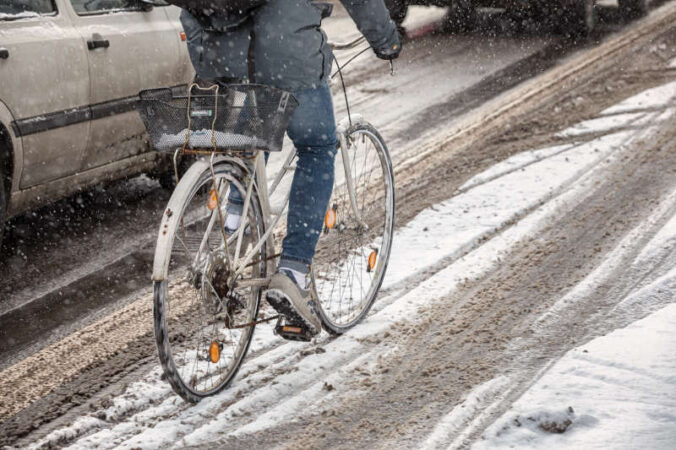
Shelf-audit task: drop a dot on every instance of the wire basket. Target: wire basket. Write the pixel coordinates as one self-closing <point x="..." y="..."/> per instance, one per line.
<point x="233" y="117"/>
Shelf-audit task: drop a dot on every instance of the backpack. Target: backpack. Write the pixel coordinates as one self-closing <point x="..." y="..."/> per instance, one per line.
<point x="208" y="7"/>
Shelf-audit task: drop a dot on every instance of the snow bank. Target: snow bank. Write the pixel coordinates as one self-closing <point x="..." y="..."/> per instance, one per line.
<point x="617" y="391"/>
<point x="475" y="401"/>
<point x="652" y="98"/>
<point x="21" y="15"/>
<point x="460" y="238"/>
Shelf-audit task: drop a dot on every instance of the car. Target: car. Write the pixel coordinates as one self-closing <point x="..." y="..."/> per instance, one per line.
<point x="71" y="72"/>
<point x="576" y="17"/>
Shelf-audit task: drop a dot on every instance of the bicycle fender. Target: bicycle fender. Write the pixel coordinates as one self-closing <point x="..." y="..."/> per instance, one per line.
<point x="344" y="124"/>
<point x="170" y="219"/>
<point x="172" y="213"/>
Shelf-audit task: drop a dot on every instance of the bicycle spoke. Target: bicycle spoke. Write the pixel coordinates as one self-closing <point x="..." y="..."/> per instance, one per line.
<point x="344" y="291"/>
<point x="206" y="351"/>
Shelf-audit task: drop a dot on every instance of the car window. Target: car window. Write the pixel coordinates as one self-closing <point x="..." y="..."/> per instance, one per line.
<point x="84" y="7"/>
<point x="21" y="9"/>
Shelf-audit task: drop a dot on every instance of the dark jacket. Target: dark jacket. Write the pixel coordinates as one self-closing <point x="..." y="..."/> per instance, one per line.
<point x="290" y="49"/>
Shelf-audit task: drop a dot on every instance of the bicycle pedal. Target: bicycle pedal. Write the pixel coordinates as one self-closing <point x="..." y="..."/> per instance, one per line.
<point x="293" y="333"/>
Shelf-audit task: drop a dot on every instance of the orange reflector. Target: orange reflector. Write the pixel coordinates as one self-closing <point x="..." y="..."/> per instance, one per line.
<point x="183" y="38"/>
<point x="213" y="200"/>
<point x="372" y="260"/>
<point x="214" y="352"/>
<point x="330" y="218"/>
<point x="289" y="329"/>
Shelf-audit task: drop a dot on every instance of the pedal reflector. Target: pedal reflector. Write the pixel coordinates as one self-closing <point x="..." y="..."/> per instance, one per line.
<point x="293" y="333"/>
<point x="288" y="329"/>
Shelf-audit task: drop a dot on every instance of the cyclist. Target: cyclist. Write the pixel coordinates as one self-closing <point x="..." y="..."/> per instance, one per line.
<point x="281" y="44"/>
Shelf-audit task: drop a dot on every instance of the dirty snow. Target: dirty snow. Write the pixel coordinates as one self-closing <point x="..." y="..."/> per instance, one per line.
<point x="453" y="422"/>
<point x="617" y="391"/>
<point x="503" y="204"/>
<point x="657" y="97"/>
<point x="21" y="15"/>
<point x="203" y="139"/>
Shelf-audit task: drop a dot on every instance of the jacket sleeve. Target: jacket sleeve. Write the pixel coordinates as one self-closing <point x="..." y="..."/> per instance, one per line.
<point x="374" y="22"/>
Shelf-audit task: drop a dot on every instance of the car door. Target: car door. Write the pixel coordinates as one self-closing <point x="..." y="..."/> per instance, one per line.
<point x="44" y="81"/>
<point x="129" y="49"/>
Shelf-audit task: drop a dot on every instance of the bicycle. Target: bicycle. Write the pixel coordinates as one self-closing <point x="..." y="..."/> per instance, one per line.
<point x="207" y="285"/>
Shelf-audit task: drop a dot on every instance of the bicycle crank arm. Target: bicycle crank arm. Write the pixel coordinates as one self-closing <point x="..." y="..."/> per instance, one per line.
<point x="255" y="322"/>
<point x="253" y="282"/>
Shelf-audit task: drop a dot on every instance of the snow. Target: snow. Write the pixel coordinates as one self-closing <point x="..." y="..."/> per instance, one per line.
<point x="21" y="15"/>
<point x="615" y="259"/>
<point x="203" y="139"/>
<point x="606" y="123"/>
<point x="656" y="97"/>
<point x="453" y="421"/>
<point x="617" y="391"/>
<point x="622" y="384"/>
<point x="672" y="63"/>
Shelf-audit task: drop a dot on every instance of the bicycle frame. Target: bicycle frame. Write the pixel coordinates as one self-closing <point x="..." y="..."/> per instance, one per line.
<point x="258" y="179"/>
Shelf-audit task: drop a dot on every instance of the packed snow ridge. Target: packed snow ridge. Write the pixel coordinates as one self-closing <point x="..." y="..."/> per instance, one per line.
<point x="615" y="391"/>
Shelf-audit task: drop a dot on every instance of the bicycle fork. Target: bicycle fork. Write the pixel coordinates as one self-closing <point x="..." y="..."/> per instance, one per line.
<point x="347" y="165"/>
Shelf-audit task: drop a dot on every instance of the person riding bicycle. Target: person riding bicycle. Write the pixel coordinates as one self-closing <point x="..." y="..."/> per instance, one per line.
<point x="281" y="44"/>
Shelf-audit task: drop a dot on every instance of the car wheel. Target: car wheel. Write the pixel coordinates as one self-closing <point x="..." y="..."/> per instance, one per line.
<point x="461" y="16"/>
<point x="579" y="18"/>
<point x="398" y="10"/>
<point x="3" y="206"/>
<point x="631" y="9"/>
<point x="167" y="180"/>
<point x="165" y="173"/>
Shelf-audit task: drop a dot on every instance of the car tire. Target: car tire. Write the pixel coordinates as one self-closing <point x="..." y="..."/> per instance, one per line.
<point x="3" y="206"/>
<point x="5" y="172"/>
<point x="579" y="18"/>
<point x="165" y="173"/>
<point x="167" y="180"/>
<point x="398" y="10"/>
<point x="461" y="17"/>
<point x="631" y="9"/>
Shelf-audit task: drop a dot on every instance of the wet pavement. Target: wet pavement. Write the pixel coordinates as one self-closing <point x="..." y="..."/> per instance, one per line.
<point x="88" y="256"/>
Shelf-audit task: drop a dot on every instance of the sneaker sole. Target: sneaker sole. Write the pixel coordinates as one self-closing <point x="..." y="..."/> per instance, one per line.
<point x="282" y="304"/>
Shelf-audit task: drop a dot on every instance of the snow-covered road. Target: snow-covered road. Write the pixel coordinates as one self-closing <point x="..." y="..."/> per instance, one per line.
<point x="534" y="242"/>
<point x="600" y="393"/>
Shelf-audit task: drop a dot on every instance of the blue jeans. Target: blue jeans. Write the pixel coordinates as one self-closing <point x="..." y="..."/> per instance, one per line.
<point x="313" y="132"/>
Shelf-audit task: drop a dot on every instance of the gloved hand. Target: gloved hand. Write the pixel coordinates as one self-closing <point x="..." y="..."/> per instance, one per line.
<point x="390" y="50"/>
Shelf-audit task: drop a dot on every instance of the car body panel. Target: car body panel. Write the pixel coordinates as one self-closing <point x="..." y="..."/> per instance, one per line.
<point x="57" y="114"/>
<point x="30" y="68"/>
<point x="36" y="196"/>
<point x="16" y="146"/>
<point x="143" y="53"/>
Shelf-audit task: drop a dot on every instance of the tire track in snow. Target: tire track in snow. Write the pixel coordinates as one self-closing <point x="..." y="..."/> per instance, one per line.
<point x="218" y="408"/>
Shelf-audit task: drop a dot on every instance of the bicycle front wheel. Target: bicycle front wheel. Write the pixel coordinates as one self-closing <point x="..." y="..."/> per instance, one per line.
<point x="203" y="323"/>
<point x="354" y="249"/>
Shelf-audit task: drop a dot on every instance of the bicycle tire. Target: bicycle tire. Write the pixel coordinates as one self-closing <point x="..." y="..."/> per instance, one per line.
<point x="173" y="329"/>
<point x="335" y="259"/>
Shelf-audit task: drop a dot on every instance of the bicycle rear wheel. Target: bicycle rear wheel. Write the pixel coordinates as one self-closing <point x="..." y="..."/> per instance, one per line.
<point x="354" y="250"/>
<point x="197" y="316"/>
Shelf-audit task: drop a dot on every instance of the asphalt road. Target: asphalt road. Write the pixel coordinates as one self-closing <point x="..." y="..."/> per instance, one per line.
<point x="78" y="271"/>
